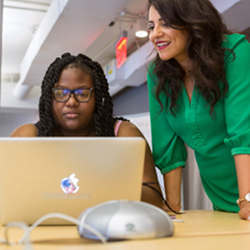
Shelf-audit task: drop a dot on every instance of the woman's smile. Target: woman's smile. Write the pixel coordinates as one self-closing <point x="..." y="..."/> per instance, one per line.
<point x="162" y="45"/>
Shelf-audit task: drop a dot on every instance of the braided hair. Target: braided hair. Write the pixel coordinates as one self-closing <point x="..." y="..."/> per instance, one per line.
<point x="103" y="114"/>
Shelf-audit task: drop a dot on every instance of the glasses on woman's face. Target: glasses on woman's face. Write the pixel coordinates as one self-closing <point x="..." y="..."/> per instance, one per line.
<point x="64" y="94"/>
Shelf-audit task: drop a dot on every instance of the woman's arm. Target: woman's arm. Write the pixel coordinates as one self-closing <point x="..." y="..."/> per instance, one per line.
<point x="237" y="123"/>
<point x="242" y="163"/>
<point x="172" y="182"/>
<point x="128" y="129"/>
<point x="26" y="130"/>
<point x="169" y="151"/>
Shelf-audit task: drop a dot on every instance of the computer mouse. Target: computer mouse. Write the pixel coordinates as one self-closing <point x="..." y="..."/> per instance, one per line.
<point x="122" y="220"/>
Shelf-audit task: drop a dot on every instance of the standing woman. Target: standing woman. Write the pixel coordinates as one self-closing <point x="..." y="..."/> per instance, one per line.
<point x="199" y="94"/>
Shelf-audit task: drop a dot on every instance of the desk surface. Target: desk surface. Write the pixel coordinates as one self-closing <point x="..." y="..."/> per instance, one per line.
<point x="206" y="223"/>
<point x="201" y="230"/>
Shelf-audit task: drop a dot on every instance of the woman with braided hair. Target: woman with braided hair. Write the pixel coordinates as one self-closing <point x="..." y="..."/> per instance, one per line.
<point x="75" y="102"/>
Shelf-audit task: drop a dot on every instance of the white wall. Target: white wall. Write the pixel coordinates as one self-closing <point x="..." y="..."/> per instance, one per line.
<point x="9" y="120"/>
<point x="1" y="23"/>
<point x="142" y="121"/>
<point x="9" y="100"/>
<point x="12" y="118"/>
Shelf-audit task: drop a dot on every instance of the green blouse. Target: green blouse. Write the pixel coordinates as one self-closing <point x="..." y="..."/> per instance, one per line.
<point x="214" y="138"/>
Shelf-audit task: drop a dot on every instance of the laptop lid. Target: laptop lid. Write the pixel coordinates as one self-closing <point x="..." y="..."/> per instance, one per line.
<point x="66" y="175"/>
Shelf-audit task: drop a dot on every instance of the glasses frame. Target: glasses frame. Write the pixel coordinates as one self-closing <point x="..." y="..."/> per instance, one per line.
<point x="72" y="91"/>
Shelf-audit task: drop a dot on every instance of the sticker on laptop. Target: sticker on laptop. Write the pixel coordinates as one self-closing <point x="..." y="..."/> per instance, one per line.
<point x="69" y="184"/>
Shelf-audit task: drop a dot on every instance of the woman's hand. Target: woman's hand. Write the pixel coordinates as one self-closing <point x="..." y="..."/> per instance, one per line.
<point x="242" y="162"/>
<point x="244" y="212"/>
<point x="152" y="194"/>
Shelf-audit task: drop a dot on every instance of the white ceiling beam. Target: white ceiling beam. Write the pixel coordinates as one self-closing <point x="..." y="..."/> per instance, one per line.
<point x="73" y="28"/>
<point x="222" y="6"/>
<point x="28" y="2"/>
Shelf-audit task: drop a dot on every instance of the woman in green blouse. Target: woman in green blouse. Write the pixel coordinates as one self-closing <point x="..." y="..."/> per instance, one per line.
<point x="199" y="94"/>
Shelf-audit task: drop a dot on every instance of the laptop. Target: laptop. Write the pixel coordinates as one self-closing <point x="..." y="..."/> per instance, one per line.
<point x="66" y="175"/>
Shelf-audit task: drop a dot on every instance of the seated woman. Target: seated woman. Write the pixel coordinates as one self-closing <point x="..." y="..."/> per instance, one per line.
<point x="75" y="102"/>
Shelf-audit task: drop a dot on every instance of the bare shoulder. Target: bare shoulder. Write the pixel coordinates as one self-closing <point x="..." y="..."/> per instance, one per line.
<point x="129" y="129"/>
<point x="26" y="130"/>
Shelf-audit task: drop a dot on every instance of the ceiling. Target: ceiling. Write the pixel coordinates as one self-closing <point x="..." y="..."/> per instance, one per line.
<point x="35" y="32"/>
<point x="21" y="19"/>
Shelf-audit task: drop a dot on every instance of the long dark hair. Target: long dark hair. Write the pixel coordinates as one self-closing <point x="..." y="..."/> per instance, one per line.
<point x="103" y="115"/>
<point x="204" y="47"/>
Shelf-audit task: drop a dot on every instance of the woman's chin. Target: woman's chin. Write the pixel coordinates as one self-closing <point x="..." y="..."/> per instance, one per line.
<point x="71" y="127"/>
<point x="164" y="56"/>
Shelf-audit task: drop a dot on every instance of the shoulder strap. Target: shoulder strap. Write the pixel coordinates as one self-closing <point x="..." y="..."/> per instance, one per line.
<point x="117" y="126"/>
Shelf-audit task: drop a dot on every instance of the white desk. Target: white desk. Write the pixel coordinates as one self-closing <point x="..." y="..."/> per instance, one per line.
<point x="201" y="230"/>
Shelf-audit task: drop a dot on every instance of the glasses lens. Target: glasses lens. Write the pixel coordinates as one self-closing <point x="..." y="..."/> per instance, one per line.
<point x="82" y="95"/>
<point x="61" y="95"/>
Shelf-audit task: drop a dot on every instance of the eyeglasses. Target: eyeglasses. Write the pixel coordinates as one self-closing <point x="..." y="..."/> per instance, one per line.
<point x="63" y="94"/>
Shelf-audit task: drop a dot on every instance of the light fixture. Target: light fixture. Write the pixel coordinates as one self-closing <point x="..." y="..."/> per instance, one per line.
<point x="140" y="28"/>
<point x="141" y="33"/>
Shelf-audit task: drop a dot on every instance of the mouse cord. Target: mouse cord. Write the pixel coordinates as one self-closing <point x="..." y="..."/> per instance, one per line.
<point x="27" y="230"/>
<point x="149" y="184"/>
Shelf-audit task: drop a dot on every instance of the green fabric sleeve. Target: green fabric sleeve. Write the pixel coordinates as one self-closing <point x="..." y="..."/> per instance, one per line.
<point x="169" y="151"/>
<point x="237" y="100"/>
